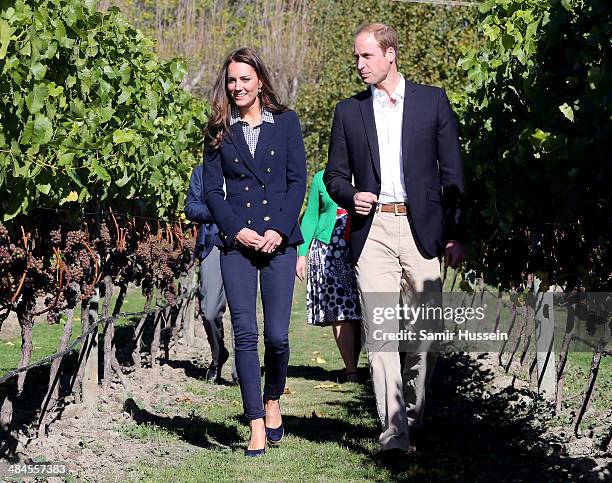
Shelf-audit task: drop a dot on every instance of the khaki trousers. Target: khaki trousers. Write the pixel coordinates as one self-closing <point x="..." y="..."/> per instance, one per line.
<point x="390" y="264"/>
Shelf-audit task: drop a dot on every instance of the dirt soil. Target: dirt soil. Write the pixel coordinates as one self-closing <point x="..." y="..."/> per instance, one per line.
<point x="571" y="445"/>
<point x="89" y="440"/>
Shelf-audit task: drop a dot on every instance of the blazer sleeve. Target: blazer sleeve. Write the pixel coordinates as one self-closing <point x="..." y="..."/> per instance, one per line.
<point x="451" y="170"/>
<point x="195" y="207"/>
<point x="311" y="216"/>
<point x="228" y="223"/>
<point x="285" y="219"/>
<point x="337" y="177"/>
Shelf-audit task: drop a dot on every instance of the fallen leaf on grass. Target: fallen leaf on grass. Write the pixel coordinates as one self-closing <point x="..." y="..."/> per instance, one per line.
<point x="9" y="343"/>
<point x="288" y="391"/>
<point x="319" y="360"/>
<point x="184" y="399"/>
<point x="327" y="386"/>
<point x="316" y="414"/>
<point x="316" y="353"/>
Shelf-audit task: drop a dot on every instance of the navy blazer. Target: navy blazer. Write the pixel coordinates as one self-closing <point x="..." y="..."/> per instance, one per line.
<point x="265" y="191"/>
<point x="433" y="170"/>
<point x="197" y="211"/>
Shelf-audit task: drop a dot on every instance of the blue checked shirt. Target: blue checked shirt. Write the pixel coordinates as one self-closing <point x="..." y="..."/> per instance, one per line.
<point x="251" y="134"/>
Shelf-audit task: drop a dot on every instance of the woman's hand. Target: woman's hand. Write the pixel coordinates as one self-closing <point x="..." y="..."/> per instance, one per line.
<point x="249" y="238"/>
<point x="300" y="267"/>
<point x="270" y="241"/>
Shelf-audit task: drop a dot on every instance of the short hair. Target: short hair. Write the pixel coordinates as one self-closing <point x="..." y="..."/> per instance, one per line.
<point x="385" y="36"/>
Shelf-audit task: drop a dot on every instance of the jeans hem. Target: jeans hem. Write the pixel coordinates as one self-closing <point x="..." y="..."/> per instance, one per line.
<point x="250" y="417"/>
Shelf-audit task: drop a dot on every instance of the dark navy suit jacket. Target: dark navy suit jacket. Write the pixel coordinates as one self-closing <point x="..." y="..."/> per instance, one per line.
<point x="197" y="211"/>
<point x="433" y="170"/>
<point x="265" y="191"/>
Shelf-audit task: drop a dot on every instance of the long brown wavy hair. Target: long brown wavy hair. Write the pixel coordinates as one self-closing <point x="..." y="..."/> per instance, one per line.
<point x="221" y="102"/>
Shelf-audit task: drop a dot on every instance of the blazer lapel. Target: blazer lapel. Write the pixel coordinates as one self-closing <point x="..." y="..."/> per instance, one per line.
<point x="237" y="139"/>
<point x="367" y="114"/>
<point x="266" y="133"/>
<point x="407" y="119"/>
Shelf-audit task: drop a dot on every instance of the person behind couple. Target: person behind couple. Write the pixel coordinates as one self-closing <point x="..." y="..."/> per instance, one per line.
<point x="399" y="142"/>
<point x="211" y="293"/>
<point x="254" y="185"/>
<point x="331" y="291"/>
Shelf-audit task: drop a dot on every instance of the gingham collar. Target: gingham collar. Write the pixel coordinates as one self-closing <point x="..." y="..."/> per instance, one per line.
<point x="266" y="116"/>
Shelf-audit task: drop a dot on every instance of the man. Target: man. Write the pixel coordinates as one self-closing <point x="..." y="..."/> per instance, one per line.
<point x="394" y="159"/>
<point x="212" y="295"/>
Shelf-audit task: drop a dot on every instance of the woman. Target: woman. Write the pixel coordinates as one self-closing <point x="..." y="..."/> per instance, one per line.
<point x="254" y="185"/>
<point x="332" y="297"/>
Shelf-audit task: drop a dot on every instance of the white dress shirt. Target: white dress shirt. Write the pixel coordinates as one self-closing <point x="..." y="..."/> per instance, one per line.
<point x="388" y="120"/>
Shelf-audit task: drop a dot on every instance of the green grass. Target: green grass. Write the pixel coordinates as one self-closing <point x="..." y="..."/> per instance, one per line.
<point x="331" y="430"/>
<point x="147" y="432"/>
<point x="579" y="357"/>
<point x="46" y="337"/>
<point x="45" y="340"/>
<point x="577" y="375"/>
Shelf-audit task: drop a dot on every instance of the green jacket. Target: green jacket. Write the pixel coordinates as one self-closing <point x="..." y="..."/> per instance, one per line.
<point x="320" y="216"/>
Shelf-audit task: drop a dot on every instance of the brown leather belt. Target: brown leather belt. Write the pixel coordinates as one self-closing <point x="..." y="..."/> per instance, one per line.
<point x="397" y="208"/>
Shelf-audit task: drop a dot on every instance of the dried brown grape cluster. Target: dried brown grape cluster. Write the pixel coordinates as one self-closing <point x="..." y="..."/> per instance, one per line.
<point x="65" y="255"/>
<point x="13" y="263"/>
<point x="161" y="259"/>
<point x="24" y="274"/>
<point x="4" y="234"/>
<point x="55" y="237"/>
<point x="79" y="267"/>
<point x="6" y="258"/>
<point x="105" y="237"/>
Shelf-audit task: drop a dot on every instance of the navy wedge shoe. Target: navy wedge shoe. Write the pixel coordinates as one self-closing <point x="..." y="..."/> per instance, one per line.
<point x="254" y="453"/>
<point x="275" y="435"/>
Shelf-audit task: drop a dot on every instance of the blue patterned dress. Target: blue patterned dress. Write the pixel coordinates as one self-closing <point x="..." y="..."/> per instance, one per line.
<point x="332" y="287"/>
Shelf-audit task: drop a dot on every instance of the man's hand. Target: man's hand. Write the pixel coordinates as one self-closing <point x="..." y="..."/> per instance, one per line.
<point x="270" y="241"/>
<point x="249" y="238"/>
<point x="364" y="200"/>
<point x="454" y="254"/>
<point x="300" y="268"/>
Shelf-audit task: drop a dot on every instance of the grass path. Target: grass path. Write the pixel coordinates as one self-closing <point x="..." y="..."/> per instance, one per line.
<point x="331" y="427"/>
<point x="478" y="426"/>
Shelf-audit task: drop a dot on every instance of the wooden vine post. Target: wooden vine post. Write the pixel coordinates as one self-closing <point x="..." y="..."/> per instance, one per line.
<point x="24" y="308"/>
<point x="137" y="338"/>
<point x="599" y="352"/>
<point x="90" y="376"/>
<point x="109" y="332"/>
<point x="159" y="313"/>
<point x="52" y="396"/>
<point x="544" y="334"/>
<point x="111" y="365"/>
<point x="567" y="339"/>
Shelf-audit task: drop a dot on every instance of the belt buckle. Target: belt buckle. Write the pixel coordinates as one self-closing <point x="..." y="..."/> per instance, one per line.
<point x="397" y="213"/>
